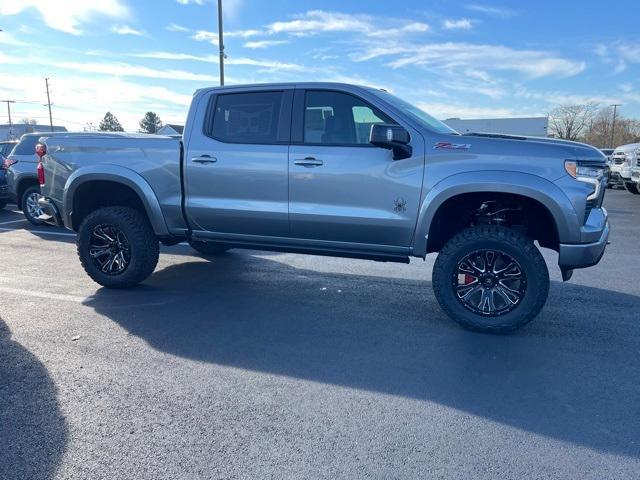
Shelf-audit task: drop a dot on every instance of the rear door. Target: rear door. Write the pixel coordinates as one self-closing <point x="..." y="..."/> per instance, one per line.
<point x="236" y="166"/>
<point x="342" y="188"/>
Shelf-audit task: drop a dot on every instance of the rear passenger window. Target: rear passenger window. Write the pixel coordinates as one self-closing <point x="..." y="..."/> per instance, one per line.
<point x="27" y="145"/>
<point x="247" y="117"/>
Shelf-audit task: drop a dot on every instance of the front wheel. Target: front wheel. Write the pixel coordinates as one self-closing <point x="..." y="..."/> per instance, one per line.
<point x="117" y="247"/>
<point x="30" y="206"/>
<point x="491" y="279"/>
<point x="632" y="187"/>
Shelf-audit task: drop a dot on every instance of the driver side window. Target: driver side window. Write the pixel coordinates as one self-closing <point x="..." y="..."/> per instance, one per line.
<point x="334" y="118"/>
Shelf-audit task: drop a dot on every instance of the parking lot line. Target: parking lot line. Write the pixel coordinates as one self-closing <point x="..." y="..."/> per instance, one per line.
<point x="13" y="221"/>
<point x="50" y="296"/>
<point x="42" y="232"/>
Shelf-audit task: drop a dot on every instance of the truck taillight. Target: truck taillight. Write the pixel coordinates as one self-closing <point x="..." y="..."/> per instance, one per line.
<point x="41" y="174"/>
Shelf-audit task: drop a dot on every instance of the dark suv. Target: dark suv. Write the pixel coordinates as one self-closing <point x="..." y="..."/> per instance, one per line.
<point x="5" y="149"/>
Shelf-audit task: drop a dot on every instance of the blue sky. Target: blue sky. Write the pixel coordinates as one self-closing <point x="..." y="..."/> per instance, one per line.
<point x="452" y="58"/>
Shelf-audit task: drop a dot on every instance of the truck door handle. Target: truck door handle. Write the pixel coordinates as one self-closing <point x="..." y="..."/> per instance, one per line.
<point x="204" y="159"/>
<point x="308" y="162"/>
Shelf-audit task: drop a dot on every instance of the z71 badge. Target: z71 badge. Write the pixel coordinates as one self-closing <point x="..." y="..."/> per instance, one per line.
<point x="451" y="146"/>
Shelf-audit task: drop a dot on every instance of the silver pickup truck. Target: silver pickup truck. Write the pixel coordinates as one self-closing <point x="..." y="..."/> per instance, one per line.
<point x="341" y="170"/>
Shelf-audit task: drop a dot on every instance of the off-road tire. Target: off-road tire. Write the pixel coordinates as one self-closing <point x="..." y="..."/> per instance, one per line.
<point x="500" y="239"/>
<point x="208" y="249"/>
<point x="23" y="204"/>
<point x="632" y="187"/>
<point x="143" y="244"/>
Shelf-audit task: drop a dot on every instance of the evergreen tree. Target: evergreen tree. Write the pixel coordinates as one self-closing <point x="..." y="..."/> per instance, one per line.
<point x="151" y="123"/>
<point x="110" y="123"/>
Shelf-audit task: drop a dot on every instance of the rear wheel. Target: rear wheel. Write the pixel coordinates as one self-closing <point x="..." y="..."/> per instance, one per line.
<point x="208" y="249"/>
<point x="632" y="187"/>
<point x="30" y="206"/>
<point x="491" y="279"/>
<point x="117" y="247"/>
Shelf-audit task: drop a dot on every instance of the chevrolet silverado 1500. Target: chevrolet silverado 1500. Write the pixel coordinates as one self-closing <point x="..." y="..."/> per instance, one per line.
<point x="341" y="170"/>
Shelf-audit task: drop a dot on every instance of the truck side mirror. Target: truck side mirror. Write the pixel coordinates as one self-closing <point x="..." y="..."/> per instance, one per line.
<point x="391" y="137"/>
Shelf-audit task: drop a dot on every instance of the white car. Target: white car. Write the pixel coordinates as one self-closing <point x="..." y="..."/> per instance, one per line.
<point x="625" y="158"/>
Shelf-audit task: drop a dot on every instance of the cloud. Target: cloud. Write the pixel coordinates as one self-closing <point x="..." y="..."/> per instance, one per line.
<point x="67" y="16"/>
<point x="212" y="37"/>
<point x="268" y="64"/>
<point x="462" y="24"/>
<point x="492" y="10"/>
<point x="174" y="27"/>
<point x="319" y="21"/>
<point x="127" y="30"/>
<point x="76" y="103"/>
<point x="264" y="43"/>
<point x="127" y="70"/>
<point x="187" y="2"/>
<point x="8" y="39"/>
<point x="619" y="55"/>
<point x="453" y="56"/>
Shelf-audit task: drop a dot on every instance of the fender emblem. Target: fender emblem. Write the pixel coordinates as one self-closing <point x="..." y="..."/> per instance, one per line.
<point x="451" y="146"/>
<point x="399" y="205"/>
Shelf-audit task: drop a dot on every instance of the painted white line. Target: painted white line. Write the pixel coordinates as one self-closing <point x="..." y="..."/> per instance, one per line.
<point x="42" y="232"/>
<point x="14" y="221"/>
<point x="47" y="295"/>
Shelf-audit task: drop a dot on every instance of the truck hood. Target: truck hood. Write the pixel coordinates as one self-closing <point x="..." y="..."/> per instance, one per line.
<point x="568" y="150"/>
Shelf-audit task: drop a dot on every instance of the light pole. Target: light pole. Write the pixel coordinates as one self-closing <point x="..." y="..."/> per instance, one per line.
<point x="221" y="42"/>
<point x="613" y="123"/>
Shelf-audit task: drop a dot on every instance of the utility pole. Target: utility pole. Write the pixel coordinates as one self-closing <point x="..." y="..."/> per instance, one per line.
<point x="8" y="102"/>
<point x="221" y="42"/>
<point x="613" y="123"/>
<point x="46" y="81"/>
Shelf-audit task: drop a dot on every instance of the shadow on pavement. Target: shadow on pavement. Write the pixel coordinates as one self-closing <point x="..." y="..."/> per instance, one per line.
<point x="571" y="375"/>
<point x="33" y="431"/>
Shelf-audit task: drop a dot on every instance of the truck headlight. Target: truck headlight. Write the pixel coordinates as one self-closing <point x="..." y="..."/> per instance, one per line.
<point x="587" y="172"/>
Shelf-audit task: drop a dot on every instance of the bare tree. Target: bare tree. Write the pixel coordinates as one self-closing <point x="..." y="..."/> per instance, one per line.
<point x="571" y="121"/>
<point x="598" y="133"/>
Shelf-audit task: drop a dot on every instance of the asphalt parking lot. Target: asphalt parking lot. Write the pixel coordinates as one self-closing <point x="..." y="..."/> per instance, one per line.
<point x="260" y="365"/>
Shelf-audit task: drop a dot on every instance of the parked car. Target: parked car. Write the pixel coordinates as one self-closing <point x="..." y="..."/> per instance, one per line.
<point x="22" y="176"/>
<point x="608" y="152"/>
<point x="4" y="188"/>
<point x="625" y="158"/>
<point x="335" y="169"/>
<point x="6" y="147"/>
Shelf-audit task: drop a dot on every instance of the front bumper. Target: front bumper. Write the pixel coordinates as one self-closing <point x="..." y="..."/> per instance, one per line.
<point x="51" y="214"/>
<point x="583" y="255"/>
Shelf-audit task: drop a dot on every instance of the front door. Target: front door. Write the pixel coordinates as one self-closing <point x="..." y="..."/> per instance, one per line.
<point x="343" y="189"/>
<point x="236" y="166"/>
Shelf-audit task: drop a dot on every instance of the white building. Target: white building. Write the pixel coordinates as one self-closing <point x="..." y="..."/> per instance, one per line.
<point x="528" y="127"/>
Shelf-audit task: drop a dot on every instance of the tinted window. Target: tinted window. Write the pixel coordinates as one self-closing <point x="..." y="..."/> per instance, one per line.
<point x="247" y="117"/>
<point x="27" y="145"/>
<point x="336" y="118"/>
<point x="5" y="148"/>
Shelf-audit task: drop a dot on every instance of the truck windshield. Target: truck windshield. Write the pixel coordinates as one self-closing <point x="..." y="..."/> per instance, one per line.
<point x="414" y="112"/>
